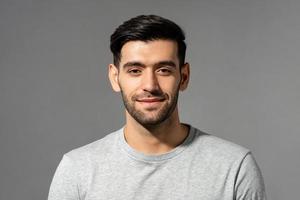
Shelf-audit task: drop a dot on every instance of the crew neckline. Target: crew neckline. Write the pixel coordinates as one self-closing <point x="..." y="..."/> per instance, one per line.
<point x="133" y="153"/>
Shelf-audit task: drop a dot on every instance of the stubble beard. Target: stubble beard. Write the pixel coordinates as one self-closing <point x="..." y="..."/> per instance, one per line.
<point x="151" y="119"/>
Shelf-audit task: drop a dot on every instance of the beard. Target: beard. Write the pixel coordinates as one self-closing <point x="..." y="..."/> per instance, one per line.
<point x="158" y="115"/>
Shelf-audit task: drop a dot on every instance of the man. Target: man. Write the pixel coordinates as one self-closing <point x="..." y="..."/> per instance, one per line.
<point x="154" y="156"/>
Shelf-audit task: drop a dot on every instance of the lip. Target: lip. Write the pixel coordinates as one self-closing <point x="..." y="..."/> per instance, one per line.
<point x="150" y="100"/>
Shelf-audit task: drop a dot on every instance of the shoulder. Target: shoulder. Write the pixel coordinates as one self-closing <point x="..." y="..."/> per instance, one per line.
<point x="235" y="161"/>
<point x="97" y="149"/>
<point x="218" y="148"/>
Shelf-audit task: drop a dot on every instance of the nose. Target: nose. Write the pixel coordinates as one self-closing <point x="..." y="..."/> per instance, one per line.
<point x="150" y="82"/>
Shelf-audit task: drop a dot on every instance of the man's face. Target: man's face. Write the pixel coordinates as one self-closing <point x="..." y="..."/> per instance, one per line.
<point x="149" y="78"/>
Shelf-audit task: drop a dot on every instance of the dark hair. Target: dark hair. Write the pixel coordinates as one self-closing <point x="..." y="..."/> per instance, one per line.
<point x="147" y="28"/>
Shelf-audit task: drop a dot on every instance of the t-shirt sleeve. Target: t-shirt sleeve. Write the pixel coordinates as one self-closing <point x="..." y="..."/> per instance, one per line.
<point x="64" y="184"/>
<point x="249" y="183"/>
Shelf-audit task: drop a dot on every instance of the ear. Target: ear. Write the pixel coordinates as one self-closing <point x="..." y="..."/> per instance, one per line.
<point x="113" y="73"/>
<point x="185" y="76"/>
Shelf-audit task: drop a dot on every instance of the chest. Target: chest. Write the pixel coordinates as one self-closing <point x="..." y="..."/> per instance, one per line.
<point x="174" y="181"/>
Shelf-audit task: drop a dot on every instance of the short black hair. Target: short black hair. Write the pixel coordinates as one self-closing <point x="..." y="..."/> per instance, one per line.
<point x="147" y="28"/>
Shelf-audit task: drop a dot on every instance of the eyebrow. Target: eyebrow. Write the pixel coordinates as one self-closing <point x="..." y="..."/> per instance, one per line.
<point x="139" y="64"/>
<point x="165" y="63"/>
<point x="134" y="64"/>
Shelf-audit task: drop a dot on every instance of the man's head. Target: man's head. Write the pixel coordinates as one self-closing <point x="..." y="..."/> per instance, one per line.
<point x="147" y="28"/>
<point x="149" y="68"/>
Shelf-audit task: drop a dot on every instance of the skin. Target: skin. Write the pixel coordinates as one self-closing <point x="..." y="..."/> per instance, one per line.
<point x="149" y="78"/>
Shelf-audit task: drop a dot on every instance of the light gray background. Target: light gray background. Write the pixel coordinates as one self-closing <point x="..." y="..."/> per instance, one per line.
<point x="55" y="95"/>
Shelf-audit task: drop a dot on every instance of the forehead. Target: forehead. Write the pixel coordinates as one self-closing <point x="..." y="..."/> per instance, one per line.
<point x="149" y="52"/>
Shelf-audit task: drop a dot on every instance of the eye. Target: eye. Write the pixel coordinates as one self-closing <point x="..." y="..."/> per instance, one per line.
<point x="164" y="71"/>
<point x="134" y="71"/>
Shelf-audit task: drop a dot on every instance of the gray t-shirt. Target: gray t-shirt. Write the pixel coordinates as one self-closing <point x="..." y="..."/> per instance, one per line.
<point x="203" y="167"/>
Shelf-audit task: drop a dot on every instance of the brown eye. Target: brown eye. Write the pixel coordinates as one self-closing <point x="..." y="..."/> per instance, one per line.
<point x="164" y="71"/>
<point x="134" y="71"/>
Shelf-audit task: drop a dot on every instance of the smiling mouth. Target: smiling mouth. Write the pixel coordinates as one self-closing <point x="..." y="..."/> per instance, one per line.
<point x="150" y="100"/>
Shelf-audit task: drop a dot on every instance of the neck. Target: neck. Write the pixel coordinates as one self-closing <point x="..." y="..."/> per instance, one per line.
<point x="156" y="139"/>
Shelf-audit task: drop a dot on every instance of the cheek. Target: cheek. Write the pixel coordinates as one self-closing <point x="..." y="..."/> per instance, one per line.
<point x="170" y="85"/>
<point x="128" y="86"/>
